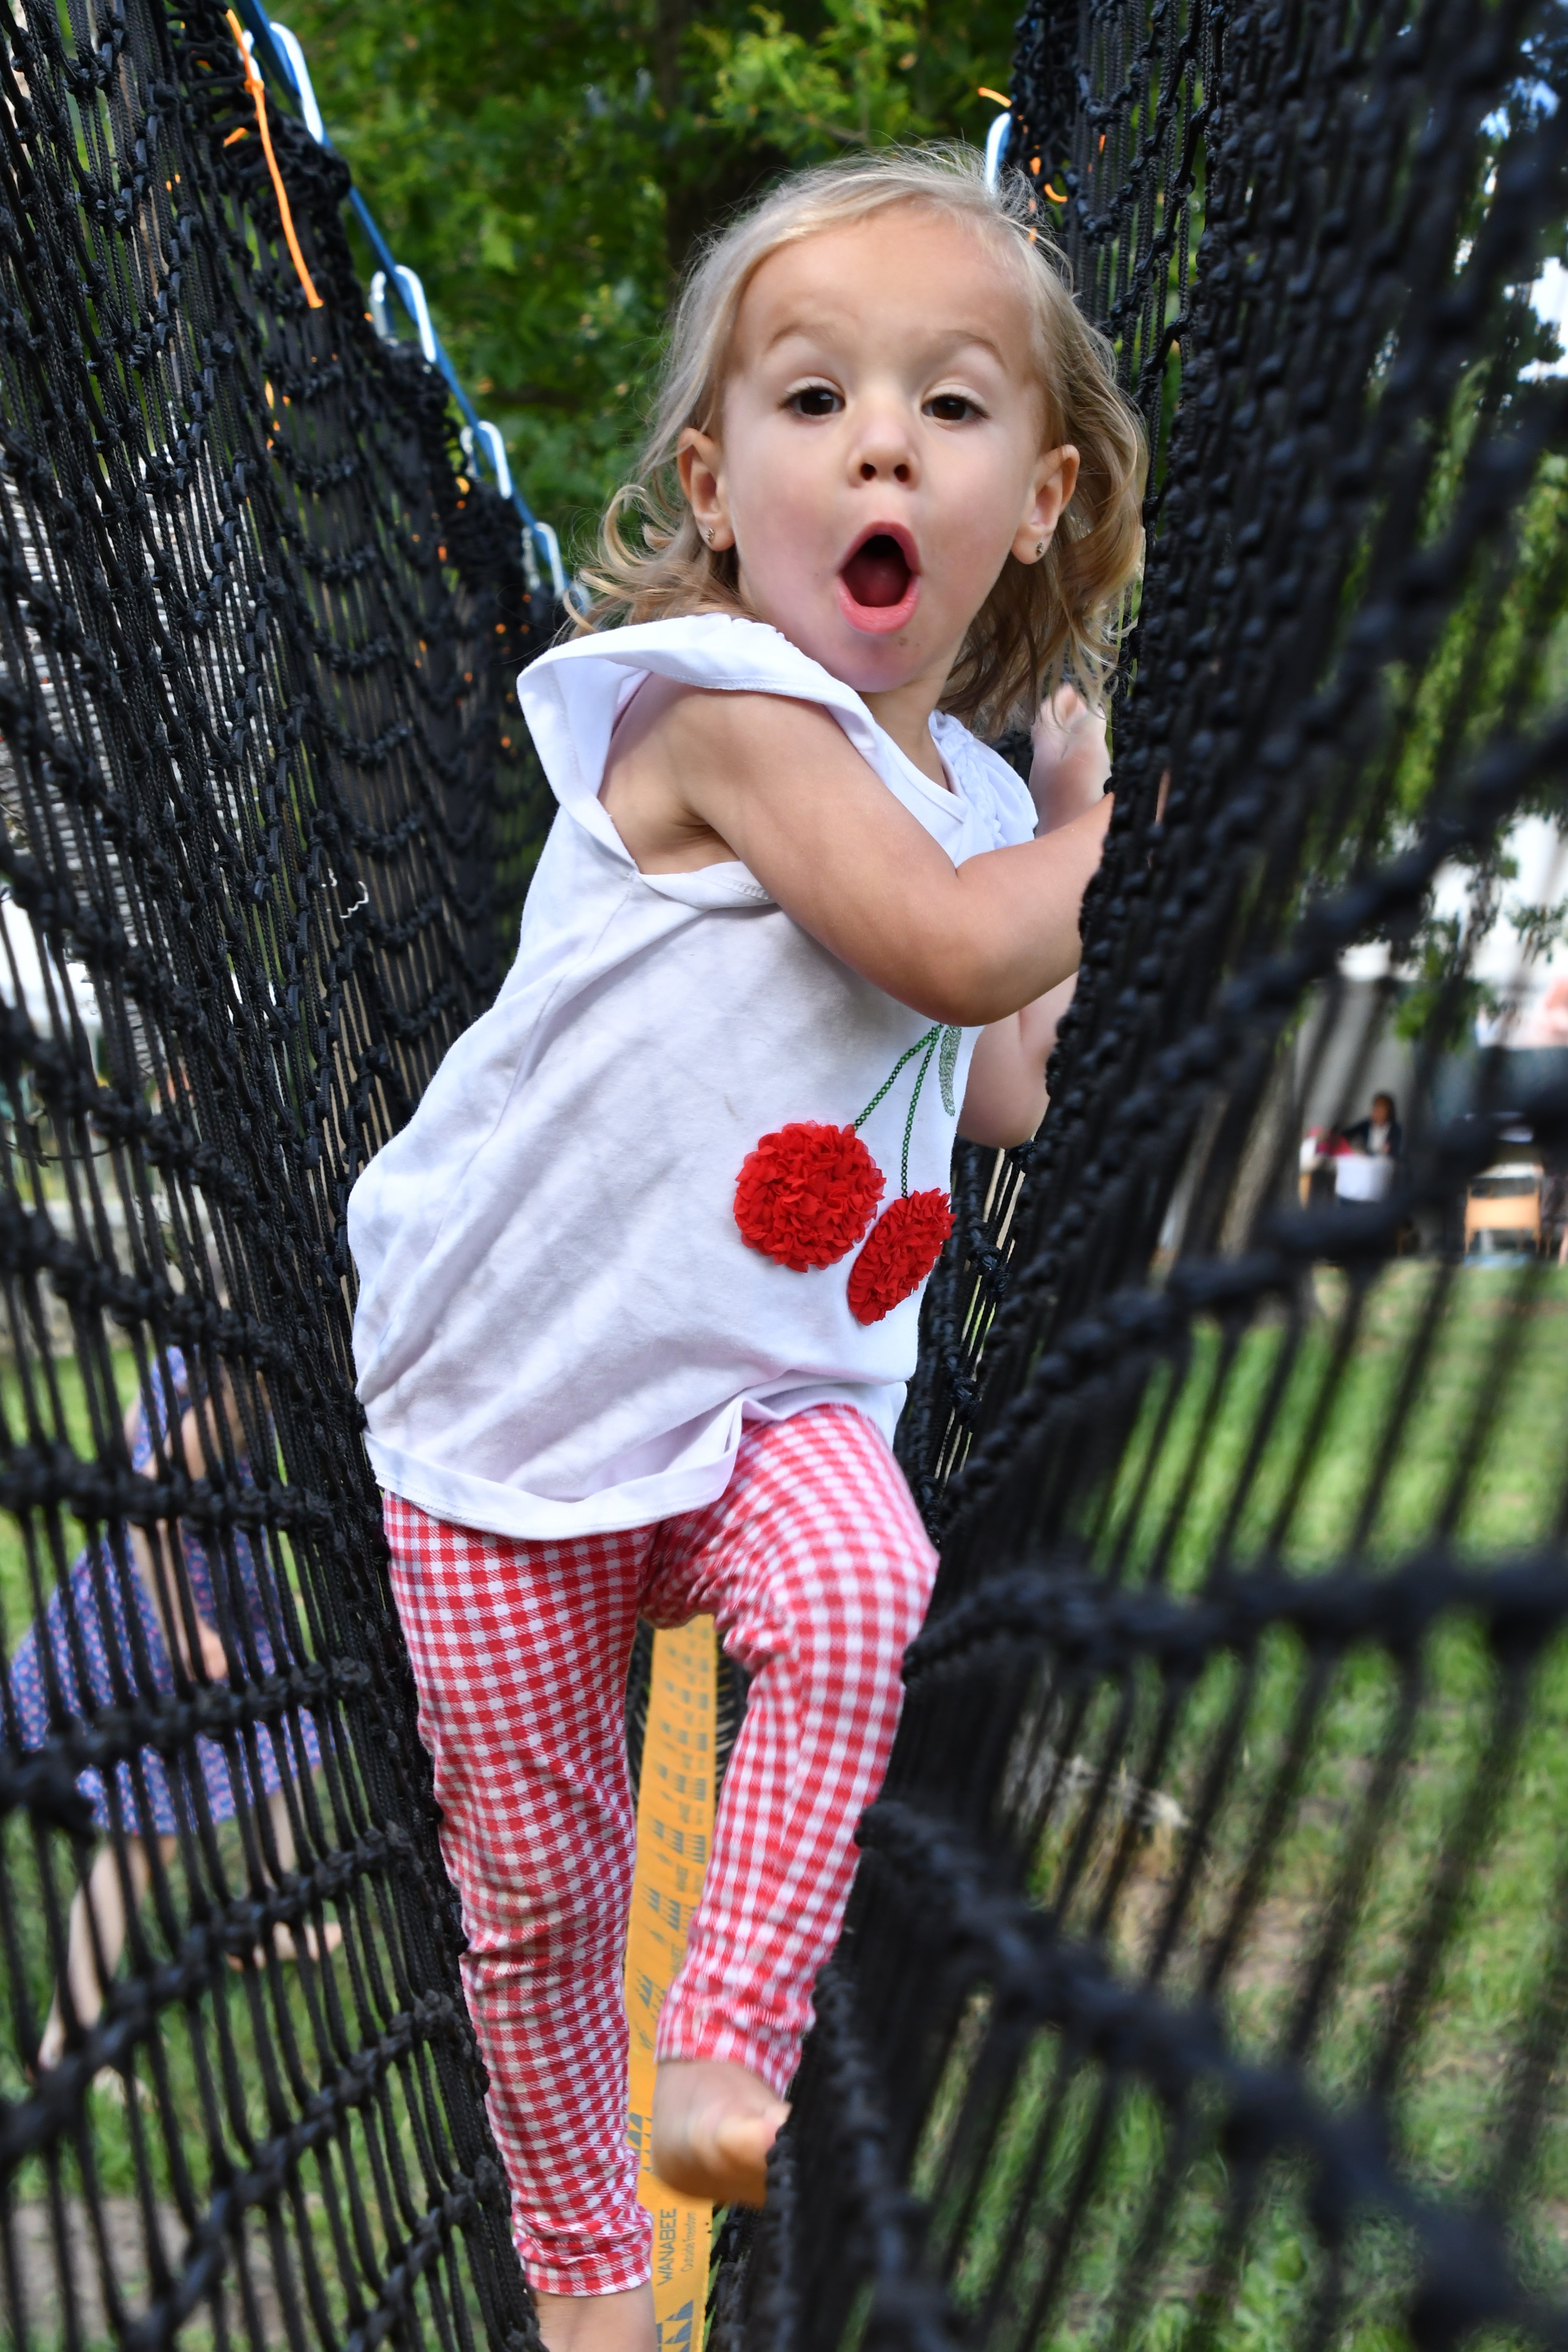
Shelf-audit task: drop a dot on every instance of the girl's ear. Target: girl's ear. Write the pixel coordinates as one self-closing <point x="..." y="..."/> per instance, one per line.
<point x="1055" y="479"/>
<point x="698" y="462"/>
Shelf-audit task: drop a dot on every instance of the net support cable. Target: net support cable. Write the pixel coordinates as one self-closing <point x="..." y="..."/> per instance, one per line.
<point x="283" y="58"/>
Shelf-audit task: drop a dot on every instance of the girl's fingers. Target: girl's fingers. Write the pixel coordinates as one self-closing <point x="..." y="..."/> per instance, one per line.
<point x="1071" y="758"/>
<point x="1064" y="711"/>
<point x="1068" y="729"/>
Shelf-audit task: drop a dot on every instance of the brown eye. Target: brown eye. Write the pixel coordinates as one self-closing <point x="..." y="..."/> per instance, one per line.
<point x="816" y="400"/>
<point x="951" y="408"/>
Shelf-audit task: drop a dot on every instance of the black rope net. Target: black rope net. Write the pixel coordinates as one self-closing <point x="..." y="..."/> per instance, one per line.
<point x="1207" y="1976"/>
<point x="265" y="814"/>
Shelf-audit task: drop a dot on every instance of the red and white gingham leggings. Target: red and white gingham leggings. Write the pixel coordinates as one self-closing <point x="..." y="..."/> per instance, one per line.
<point x="817" y="1567"/>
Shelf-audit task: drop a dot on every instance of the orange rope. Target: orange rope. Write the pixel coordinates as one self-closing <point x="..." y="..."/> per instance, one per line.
<point x="254" y="83"/>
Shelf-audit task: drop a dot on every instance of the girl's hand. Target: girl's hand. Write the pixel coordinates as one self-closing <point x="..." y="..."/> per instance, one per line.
<point x="1071" y="765"/>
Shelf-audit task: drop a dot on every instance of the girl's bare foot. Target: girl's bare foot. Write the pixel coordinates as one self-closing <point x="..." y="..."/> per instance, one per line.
<point x="596" y="2322"/>
<point x="713" y="2123"/>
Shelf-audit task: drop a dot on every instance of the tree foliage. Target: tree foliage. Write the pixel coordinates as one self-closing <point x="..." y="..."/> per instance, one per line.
<point x="548" y="169"/>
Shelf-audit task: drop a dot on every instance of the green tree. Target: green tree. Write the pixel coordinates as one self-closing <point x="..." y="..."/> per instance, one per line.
<point x="546" y="170"/>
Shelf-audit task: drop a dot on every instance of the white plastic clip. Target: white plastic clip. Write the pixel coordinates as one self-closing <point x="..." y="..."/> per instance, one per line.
<point x="413" y="295"/>
<point x="294" y="58"/>
<point x="490" y="434"/>
<point x="996" y="139"/>
<point x="552" y="547"/>
<point x="495" y="449"/>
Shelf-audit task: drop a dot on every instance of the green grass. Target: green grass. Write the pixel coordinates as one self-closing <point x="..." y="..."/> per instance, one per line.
<point x="1487" y="1363"/>
<point x="1253" y="1453"/>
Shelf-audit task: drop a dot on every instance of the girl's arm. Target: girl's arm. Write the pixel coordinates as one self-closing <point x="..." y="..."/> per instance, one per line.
<point x="1004" y="1100"/>
<point x="776" y="783"/>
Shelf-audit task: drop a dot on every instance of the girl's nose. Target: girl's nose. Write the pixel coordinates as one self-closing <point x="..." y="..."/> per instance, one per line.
<point x="884" y="454"/>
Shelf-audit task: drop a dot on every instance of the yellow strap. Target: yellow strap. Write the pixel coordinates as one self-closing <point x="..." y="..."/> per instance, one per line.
<point x="674" y="1829"/>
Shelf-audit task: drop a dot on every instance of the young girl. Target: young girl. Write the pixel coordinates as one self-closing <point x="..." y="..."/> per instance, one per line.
<point x="641" y="1279"/>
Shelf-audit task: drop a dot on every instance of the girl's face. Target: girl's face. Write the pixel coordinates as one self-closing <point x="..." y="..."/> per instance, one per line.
<point x="878" y="455"/>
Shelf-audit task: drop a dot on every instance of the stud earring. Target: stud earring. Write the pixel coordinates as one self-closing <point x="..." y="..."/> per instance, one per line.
<point x="709" y="534"/>
<point x="1039" y="548"/>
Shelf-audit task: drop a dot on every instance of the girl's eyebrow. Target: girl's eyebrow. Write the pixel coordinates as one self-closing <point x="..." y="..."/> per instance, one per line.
<point x="943" y="345"/>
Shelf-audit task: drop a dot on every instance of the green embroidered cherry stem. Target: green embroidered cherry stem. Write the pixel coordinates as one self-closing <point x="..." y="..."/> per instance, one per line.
<point x="925" y="1044"/>
<point x="914" y="1100"/>
<point x="951" y="1039"/>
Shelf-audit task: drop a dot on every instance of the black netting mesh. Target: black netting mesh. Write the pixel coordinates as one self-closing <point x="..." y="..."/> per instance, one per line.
<point x="265" y="814"/>
<point x="1207" y="1973"/>
<point x="1207" y="1977"/>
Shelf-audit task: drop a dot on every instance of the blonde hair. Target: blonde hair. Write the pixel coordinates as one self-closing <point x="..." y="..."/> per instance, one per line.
<point x="1040" y="620"/>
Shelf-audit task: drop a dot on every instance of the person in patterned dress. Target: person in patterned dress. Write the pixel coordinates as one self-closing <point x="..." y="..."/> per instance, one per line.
<point x="116" y="1624"/>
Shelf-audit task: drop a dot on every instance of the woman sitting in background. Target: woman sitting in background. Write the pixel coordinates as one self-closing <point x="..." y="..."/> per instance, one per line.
<point x="124" y="1632"/>
<point x="1381" y="1136"/>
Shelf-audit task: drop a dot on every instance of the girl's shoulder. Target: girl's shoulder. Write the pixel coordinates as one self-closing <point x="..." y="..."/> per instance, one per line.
<point x="722" y="650"/>
<point x="992" y="786"/>
<point x="571" y="695"/>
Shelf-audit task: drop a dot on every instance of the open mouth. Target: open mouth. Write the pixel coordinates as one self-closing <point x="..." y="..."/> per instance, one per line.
<point x="878" y="572"/>
<point x="878" y="581"/>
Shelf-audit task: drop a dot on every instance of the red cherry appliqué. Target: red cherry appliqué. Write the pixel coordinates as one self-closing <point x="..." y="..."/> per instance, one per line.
<point x="806" y="1195"/>
<point x="905" y="1244"/>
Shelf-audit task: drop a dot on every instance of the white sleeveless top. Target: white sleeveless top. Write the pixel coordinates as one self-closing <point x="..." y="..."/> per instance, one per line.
<point x="560" y="1328"/>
